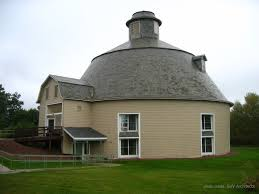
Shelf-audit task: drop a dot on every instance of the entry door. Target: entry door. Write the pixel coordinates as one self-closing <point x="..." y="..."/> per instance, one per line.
<point x="51" y="123"/>
<point x="82" y="148"/>
<point x="86" y="148"/>
<point x="79" y="148"/>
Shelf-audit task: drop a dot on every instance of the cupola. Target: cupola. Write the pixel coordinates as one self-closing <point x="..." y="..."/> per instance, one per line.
<point x="143" y="24"/>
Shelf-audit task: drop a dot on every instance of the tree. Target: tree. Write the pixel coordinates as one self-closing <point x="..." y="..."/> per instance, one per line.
<point x="245" y="121"/>
<point x="12" y="115"/>
<point x="25" y="119"/>
<point x="14" y="105"/>
<point x="3" y="108"/>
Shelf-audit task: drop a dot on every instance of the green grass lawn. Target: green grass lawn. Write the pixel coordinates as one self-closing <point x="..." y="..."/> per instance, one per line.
<point x="143" y="176"/>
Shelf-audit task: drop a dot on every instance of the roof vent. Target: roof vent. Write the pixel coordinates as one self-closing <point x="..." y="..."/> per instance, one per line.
<point x="199" y="61"/>
<point x="143" y="24"/>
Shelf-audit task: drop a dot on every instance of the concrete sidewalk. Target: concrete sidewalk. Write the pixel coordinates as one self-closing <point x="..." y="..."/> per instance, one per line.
<point x="4" y="169"/>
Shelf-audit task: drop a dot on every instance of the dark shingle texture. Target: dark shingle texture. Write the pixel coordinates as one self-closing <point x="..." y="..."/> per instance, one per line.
<point x="150" y="73"/>
<point x="207" y="133"/>
<point x="84" y="132"/>
<point x="129" y="134"/>
<point x="76" y="92"/>
<point x="76" y="89"/>
<point x="143" y="43"/>
<point x="67" y="80"/>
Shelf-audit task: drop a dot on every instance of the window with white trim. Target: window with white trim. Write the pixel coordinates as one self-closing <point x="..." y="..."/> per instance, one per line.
<point x="207" y="134"/>
<point x="207" y="122"/>
<point x="128" y="122"/>
<point x="207" y="144"/>
<point x="129" y="147"/>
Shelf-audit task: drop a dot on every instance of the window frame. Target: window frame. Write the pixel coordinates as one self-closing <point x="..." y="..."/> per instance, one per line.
<point x="128" y="148"/>
<point x="213" y="137"/>
<point x="47" y="93"/>
<point x="121" y="138"/>
<point x="54" y="122"/>
<point x="56" y="91"/>
<point x="135" y="28"/>
<point x="207" y="153"/>
<point x="128" y="130"/>
<point x="211" y="121"/>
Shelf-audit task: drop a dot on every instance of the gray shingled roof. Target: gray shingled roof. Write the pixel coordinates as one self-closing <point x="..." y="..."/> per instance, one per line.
<point x="147" y="68"/>
<point x="76" y="92"/>
<point x="68" y="80"/>
<point x="142" y="68"/>
<point x="71" y="88"/>
<point x="207" y="133"/>
<point x="150" y="73"/>
<point x="143" y="43"/>
<point x="84" y="133"/>
<point x="76" y="89"/>
<point x="128" y="134"/>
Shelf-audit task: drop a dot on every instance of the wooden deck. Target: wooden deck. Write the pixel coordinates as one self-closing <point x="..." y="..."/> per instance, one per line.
<point x="39" y="134"/>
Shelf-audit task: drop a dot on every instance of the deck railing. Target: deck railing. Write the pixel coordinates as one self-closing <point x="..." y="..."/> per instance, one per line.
<point x="38" y="131"/>
<point x="7" y="133"/>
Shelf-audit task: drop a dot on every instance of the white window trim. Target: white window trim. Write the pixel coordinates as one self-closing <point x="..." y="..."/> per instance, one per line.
<point x="57" y="113"/>
<point x="204" y="123"/>
<point x="213" y="137"/>
<point x="139" y="138"/>
<point x="129" y="137"/>
<point x="128" y="156"/>
<point x="128" y="122"/>
<point x="208" y="153"/>
<point x="46" y="112"/>
<point x="51" y="119"/>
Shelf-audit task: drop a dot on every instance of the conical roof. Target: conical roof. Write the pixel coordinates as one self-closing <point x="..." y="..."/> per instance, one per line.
<point x="148" y="68"/>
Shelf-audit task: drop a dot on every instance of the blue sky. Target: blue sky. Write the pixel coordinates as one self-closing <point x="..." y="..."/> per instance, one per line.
<point x="61" y="37"/>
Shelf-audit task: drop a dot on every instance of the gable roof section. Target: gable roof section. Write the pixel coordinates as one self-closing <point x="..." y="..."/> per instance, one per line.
<point x="84" y="133"/>
<point x="67" y="80"/>
<point x="70" y="88"/>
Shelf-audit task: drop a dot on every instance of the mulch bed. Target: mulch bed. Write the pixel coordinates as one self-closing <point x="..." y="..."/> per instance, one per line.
<point x="12" y="147"/>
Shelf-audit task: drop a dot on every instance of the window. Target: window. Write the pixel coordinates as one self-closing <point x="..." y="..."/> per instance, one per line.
<point x="56" y="91"/>
<point x="128" y="122"/>
<point x="135" y="27"/>
<point x="129" y="147"/>
<point x="206" y="122"/>
<point x="51" y="123"/>
<point x="47" y="93"/>
<point x="156" y="28"/>
<point x="207" y="145"/>
<point x="207" y="134"/>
